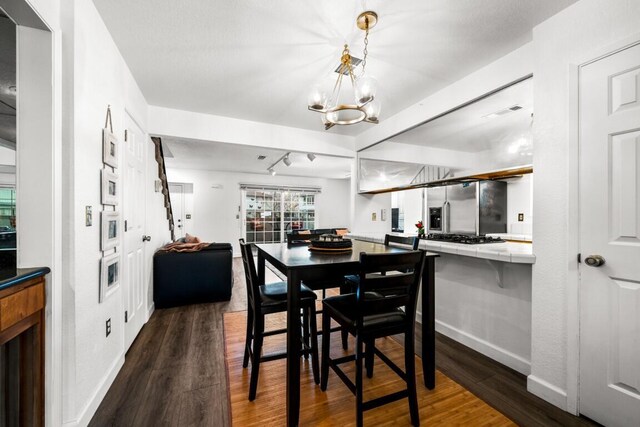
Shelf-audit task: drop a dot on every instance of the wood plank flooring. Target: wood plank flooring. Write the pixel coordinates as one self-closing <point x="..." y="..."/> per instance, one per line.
<point x="174" y="373"/>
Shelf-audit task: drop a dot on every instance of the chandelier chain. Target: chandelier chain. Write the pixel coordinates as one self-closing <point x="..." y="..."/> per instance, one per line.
<point x="365" y="51"/>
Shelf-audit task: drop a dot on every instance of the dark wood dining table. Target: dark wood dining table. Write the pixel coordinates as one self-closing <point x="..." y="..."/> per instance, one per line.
<point x="300" y="264"/>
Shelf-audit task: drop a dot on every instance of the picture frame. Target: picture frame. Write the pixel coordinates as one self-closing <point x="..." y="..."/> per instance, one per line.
<point x="110" y="224"/>
<point x="110" y="148"/>
<point x="110" y="270"/>
<point x="110" y="187"/>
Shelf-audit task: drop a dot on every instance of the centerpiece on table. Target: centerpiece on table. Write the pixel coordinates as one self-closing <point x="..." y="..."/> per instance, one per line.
<point x="420" y="227"/>
<point x="330" y="243"/>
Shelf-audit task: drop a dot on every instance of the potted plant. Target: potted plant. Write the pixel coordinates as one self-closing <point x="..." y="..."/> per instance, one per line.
<point x="420" y="227"/>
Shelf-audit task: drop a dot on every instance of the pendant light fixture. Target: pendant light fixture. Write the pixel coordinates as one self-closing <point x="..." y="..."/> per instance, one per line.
<point x="364" y="106"/>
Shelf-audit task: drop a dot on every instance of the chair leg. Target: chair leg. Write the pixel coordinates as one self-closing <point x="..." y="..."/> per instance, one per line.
<point x="344" y="289"/>
<point x="369" y="352"/>
<point x="359" y="357"/>
<point x="258" y="337"/>
<point x="410" y="369"/>
<point x="305" y="331"/>
<point x="314" y="344"/>
<point x="326" y="341"/>
<point x="247" y="341"/>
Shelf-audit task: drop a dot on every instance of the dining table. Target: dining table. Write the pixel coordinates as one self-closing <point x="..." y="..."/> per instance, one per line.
<point x="300" y="264"/>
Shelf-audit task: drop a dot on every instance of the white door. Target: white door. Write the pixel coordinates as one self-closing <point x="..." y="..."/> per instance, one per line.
<point x="134" y="217"/>
<point x="176" y="192"/>
<point x="610" y="228"/>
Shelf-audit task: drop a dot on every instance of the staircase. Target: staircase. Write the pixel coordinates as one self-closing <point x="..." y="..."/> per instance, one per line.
<point x="164" y="184"/>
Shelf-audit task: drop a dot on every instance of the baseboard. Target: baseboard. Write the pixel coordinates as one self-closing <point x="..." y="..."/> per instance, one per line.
<point x="150" y="311"/>
<point x="91" y="407"/>
<point x="547" y="391"/>
<point x="496" y="353"/>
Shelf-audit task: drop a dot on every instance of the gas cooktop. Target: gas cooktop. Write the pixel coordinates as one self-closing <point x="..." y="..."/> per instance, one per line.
<point x="463" y="238"/>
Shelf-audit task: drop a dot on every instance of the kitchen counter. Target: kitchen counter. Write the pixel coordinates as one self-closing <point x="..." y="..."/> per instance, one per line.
<point x="512" y="252"/>
<point x="9" y="278"/>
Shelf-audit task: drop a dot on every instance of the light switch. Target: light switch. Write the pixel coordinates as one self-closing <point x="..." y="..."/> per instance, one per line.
<point x="188" y="216"/>
<point x="88" y="216"/>
<point x="520" y="217"/>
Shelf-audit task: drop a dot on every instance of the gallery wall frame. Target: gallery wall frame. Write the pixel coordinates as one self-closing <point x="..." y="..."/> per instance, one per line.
<point x="110" y="268"/>
<point x="110" y="192"/>
<point x="110" y="226"/>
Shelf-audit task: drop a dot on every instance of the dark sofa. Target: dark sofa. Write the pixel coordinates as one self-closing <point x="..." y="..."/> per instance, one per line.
<point x="181" y="278"/>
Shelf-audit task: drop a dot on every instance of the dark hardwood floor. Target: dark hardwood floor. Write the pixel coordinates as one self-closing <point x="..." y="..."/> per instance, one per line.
<point x="174" y="374"/>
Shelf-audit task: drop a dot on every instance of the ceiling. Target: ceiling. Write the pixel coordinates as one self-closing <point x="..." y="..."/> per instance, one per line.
<point x="469" y="129"/>
<point x="7" y="82"/>
<point x="219" y="156"/>
<point x="257" y="60"/>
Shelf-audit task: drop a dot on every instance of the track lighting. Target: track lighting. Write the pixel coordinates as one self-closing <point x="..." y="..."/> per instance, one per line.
<point x="287" y="160"/>
<point x="311" y="157"/>
<point x="272" y="171"/>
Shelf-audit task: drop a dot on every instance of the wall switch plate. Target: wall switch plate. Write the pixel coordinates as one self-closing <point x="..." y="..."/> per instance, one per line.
<point x="374" y="216"/>
<point x="88" y="216"/>
<point x="188" y="216"/>
<point x="520" y="217"/>
<point x="383" y="215"/>
<point x="108" y="326"/>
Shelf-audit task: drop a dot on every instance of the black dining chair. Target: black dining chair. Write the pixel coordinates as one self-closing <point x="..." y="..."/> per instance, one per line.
<point x="268" y="299"/>
<point x="375" y="311"/>
<point x="351" y="281"/>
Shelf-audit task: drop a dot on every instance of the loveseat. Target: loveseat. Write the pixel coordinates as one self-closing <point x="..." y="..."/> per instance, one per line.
<point x="181" y="278"/>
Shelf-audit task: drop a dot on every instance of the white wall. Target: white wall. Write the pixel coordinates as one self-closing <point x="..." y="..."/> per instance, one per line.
<point x="96" y="76"/>
<point x="215" y="209"/>
<point x="520" y="200"/>
<point x="572" y="37"/>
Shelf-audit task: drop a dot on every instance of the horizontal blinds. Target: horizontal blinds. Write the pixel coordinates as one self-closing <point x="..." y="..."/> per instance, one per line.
<point x="262" y="187"/>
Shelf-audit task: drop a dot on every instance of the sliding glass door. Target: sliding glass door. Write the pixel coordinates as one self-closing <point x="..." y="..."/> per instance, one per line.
<point x="269" y="213"/>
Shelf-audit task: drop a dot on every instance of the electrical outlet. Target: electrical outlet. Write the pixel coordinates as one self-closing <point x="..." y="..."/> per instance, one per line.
<point x="520" y="217"/>
<point x="108" y="326"/>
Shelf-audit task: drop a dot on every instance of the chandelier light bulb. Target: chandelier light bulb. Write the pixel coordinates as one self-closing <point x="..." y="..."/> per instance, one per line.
<point x="317" y="99"/>
<point x="372" y="110"/>
<point x="366" y="88"/>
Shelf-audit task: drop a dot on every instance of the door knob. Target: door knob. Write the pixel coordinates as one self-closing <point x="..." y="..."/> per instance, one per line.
<point x="146" y="238"/>
<point x="594" y="261"/>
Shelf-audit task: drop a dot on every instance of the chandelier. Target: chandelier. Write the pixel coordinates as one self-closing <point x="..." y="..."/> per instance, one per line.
<point x="364" y="107"/>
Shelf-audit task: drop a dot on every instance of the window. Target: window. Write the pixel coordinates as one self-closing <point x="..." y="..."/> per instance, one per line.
<point x="270" y="212"/>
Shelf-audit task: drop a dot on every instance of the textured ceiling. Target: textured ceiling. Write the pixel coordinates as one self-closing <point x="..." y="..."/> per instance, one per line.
<point x="257" y="60"/>
<point x="7" y="82"/>
<point x="218" y="156"/>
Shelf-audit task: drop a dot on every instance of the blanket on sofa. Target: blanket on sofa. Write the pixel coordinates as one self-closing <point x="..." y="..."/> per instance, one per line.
<point x="184" y="247"/>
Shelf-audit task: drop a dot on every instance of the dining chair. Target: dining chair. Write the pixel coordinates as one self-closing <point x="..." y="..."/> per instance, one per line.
<point x="375" y="311"/>
<point x="351" y="281"/>
<point x="268" y="299"/>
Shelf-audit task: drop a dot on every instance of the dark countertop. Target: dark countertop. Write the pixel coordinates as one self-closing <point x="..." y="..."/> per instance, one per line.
<point x="9" y="278"/>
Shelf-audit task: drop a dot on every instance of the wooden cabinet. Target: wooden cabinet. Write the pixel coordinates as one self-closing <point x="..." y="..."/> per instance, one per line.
<point x="22" y="353"/>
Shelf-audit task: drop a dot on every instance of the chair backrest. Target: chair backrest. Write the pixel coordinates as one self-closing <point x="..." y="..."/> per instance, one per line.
<point x="410" y="241"/>
<point x="399" y="289"/>
<point x="250" y="273"/>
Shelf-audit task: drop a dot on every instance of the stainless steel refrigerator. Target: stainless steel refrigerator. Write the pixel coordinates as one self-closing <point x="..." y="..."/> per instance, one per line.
<point x="475" y="208"/>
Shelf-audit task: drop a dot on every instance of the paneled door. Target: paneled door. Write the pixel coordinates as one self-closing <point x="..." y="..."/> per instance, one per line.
<point x="134" y="216"/>
<point x="610" y="239"/>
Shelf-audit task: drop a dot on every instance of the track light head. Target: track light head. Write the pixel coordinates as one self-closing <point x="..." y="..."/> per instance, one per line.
<point x="272" y="171"/>
<point x="311" y="156"/>
<point x="287" y="160"/>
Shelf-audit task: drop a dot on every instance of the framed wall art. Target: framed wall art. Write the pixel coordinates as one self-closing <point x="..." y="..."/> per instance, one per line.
<point x="110" y="269"/>
<point x="110" y="187"/>
<point x="110" y="148"/>
<point x="110" y="223"/>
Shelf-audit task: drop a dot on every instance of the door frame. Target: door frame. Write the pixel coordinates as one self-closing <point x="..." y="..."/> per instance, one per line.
<point x="574" y="231"/>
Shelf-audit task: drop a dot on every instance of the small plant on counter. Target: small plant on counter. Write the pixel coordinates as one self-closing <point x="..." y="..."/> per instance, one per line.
<point x="420" y="227"/>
